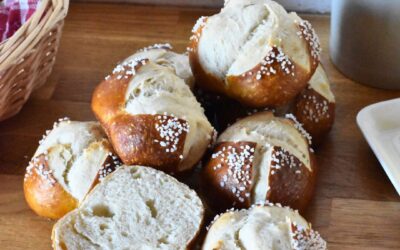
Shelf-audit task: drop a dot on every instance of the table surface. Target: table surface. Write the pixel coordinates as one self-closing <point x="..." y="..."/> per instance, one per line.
<point x="355" y="205"/>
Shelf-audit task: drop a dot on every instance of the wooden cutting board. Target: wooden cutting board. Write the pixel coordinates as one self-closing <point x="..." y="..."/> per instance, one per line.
<point x="355" y="206"/>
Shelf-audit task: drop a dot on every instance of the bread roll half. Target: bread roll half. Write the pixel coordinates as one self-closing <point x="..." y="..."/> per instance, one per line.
<point x="135" y="207"/>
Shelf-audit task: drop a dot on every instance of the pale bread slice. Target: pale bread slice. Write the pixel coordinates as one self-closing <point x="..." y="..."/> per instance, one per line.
<point x="135" y="207"/>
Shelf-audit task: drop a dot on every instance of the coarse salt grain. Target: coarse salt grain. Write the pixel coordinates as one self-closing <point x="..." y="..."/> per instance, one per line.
<point x="128" y="68"/>
<point x="307" y="239"/>
<point x="196" y="35"/>
<point x="199" y="23"/>
<point x="36" y="165"/>
<point x="113" y="163"/>
<point x="170" y="130"/>
<point x="275" y="60"/>
<point x="314" y="109"/>
<point x="308" y="33"/>
<point x="238" y="160"/>
<point x="281" y="158"/>
<point x="55" y="125"/>
<point x="300" y="128"/>
<point x="167" y="46"/>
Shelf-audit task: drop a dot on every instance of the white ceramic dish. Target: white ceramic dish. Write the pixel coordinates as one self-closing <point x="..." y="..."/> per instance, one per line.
<point x="380" y="124"/>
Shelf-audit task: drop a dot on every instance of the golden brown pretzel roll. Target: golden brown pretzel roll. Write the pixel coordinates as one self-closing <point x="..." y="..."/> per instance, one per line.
<point x="255" y="52"/>
<point x="69" y="161"/>
<point x="152" y="117"/>
<point x="259" y="158"/>
<point x="315" y="106"/>
<point x="262" y="228"/>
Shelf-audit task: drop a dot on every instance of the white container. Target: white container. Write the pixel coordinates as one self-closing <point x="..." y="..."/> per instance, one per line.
<point x="380" y="124"/>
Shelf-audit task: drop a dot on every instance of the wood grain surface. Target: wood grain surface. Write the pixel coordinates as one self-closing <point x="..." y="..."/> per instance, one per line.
<point x="355" y="206"/>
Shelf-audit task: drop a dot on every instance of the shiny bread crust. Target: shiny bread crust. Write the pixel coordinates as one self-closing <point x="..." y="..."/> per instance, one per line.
<point x="315" y="112"/>
<point x="44" y="195"/>
<point x="136" y="138"/>
<point x="251" y="88"/>
<point x="289" y="186"/>
<point x="137" y="141"/>
<point x="222" y="184"/>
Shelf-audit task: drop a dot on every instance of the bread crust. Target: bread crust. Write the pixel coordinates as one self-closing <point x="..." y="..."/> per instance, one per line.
<point x="291" y="182"/>
<point x="191" y="245"/>
<point x="133" y="136"/>
<point x="287" y="187"/>
<point x="44" y="195"/>
<point x="219" y="184"/>
<point x="204" y="79"/>
<point x="291" y="188"/>
<point x="136" y="141"/>
<point x="109" y="98"/>
<point x="269" y="90"/>
<point x="315" y="112"/>
<point x="251" y="88"/>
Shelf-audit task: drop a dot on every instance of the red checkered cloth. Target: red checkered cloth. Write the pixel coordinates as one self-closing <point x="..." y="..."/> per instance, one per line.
<point x="13" y="14"/>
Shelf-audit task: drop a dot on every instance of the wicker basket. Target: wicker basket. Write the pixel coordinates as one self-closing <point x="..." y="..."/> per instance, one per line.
<point x="27" y="58"/>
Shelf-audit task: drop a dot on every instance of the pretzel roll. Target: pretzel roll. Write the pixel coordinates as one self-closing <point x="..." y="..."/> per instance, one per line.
<point x="255" y="52"/>
<point x="162" y="54"/>
<point x="69" y="161"/>
<point x="262" y="228"/>
<point x="259" y="158"/>
<point x="315" y="106"/>
<point x="152" y="117"/>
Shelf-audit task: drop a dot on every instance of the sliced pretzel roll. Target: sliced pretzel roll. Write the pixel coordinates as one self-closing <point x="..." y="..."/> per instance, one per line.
<point x="262" y="228"/>
<point x="69" y="161"/>
<point x="152" y="117"/>
<point x="255" y="52"/>
<point x="315" y="106"/>
<point x="162" y="54"/>
<point x="137" y="208"/>
<point x="259" y="158"/>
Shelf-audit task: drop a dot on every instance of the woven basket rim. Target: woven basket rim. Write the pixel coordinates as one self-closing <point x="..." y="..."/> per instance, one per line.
<point x="26" y="38"/>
